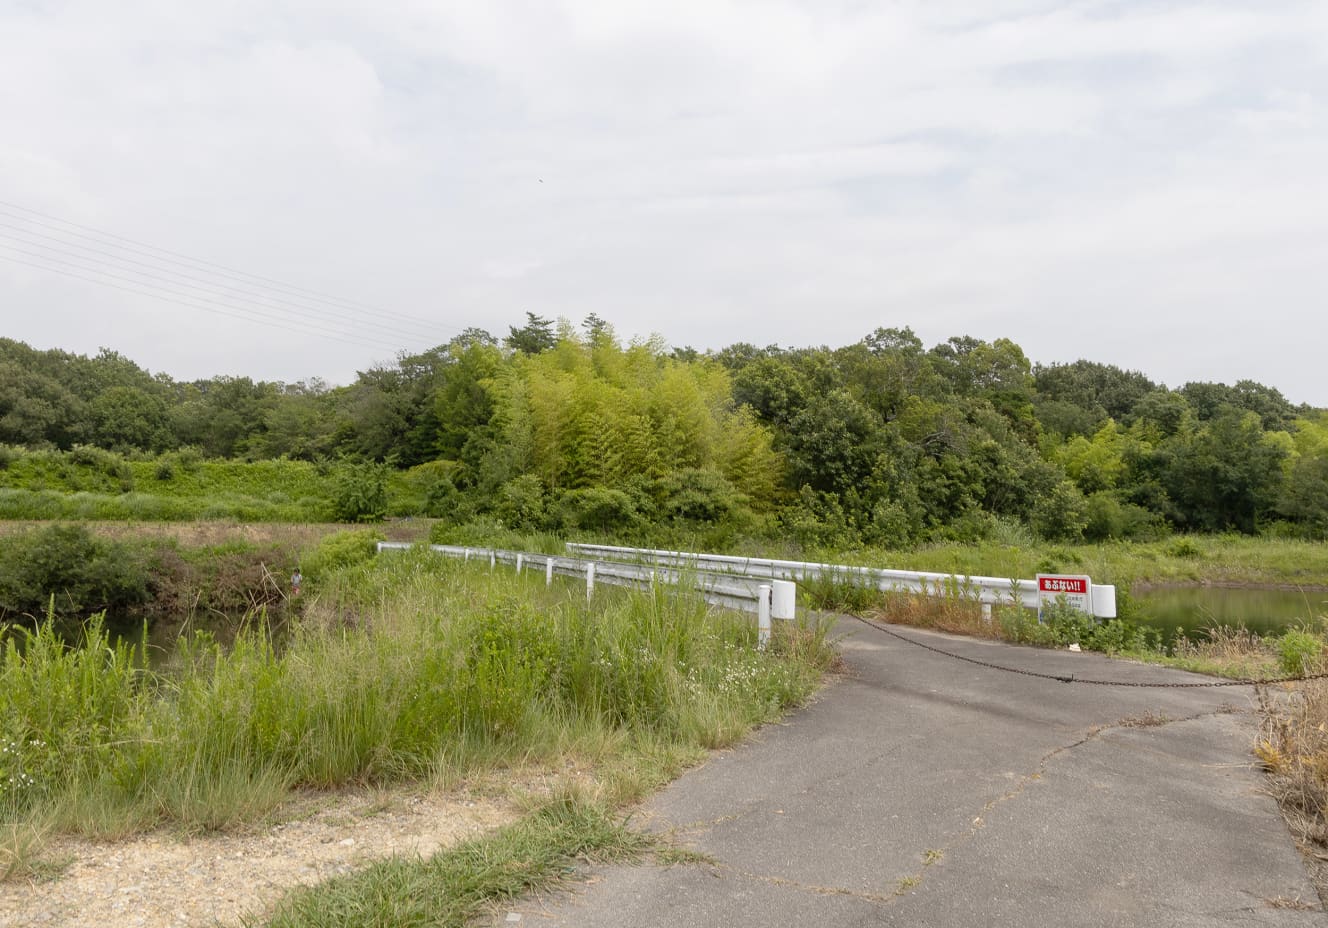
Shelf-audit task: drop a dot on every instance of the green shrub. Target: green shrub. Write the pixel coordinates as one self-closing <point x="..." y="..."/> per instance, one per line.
<point x="601" y="509"/>
<point x="341" y="550"/>
<point x="1062" y="624"/>
<point x="836" y="592"/>
<point x="697" y="495"/>
<point x="481" y="532"/>
<point x="65" y="569"/>
<point x="1107" y="518"/>
<point x="1059" y="514"/>
<point x="1299" y="652"/>
<point x="359" y="493"/>
<point x="101" y="463"/>
<point x="522" y="503"/>
<point x="1185" y="548"/>
<point x="1058" y="560"/>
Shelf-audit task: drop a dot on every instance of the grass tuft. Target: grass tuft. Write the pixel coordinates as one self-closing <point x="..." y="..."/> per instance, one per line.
<point x="23" y="853"/>
<point x="453" y="887"/>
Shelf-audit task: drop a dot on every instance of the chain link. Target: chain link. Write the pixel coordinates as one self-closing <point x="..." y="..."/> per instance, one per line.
<point x="1071" y="678"/>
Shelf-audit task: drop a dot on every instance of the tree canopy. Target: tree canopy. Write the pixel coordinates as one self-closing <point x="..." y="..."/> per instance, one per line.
<point x="558" y="426"/>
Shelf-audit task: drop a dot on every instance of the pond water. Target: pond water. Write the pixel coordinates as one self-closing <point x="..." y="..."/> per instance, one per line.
<point x="164" y="633"/>
<point x="1194" y="608"/>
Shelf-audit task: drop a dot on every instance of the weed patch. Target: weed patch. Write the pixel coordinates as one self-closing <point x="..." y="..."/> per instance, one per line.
<point x="452" y="888"/>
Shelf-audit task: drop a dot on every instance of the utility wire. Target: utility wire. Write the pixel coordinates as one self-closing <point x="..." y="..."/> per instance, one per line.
<point x="233" y="312"/>
<point x="156" y="253"/>
<point x="199" y="283"/>
<point x="416" y="331"/>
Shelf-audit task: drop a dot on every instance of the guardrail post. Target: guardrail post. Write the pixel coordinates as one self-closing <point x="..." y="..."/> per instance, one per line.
<point x="548" y="572"/>
<point x="519" y="559"/>
<point x="590" y="580"/>
<point x="493" y="559"/>
<point x="986" y="612"/>
<point x="467" y="557"/>
<point x="764" y="595"/>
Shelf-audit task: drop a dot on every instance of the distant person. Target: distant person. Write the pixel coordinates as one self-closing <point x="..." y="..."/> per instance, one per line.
<point x="295" y="582"/>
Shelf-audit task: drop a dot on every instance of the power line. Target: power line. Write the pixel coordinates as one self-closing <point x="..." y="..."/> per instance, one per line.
<point x="175" y="298"/>
<point x="174" y="257"/>
<point x="199" y="283"/>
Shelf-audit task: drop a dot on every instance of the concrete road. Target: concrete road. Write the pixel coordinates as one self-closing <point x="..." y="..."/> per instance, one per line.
<point x="918" y="790"/>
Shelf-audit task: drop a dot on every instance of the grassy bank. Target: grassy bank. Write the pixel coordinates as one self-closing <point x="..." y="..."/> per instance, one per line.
<point x="91" y="484"/>
<point x="405" y="668"/>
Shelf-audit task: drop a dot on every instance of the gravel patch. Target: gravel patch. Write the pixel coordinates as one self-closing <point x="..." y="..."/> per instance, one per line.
<point x="164" y="880"/>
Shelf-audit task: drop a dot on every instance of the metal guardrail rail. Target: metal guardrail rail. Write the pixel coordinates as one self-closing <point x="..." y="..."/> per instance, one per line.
<point x="720" y="588"/>
<point x="986" y="590"/>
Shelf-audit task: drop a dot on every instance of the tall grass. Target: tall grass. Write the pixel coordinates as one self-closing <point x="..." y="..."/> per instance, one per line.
<point x="406" y="667"/>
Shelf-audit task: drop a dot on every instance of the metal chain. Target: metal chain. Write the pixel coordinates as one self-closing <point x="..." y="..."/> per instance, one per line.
<point x="1071" y="678"/>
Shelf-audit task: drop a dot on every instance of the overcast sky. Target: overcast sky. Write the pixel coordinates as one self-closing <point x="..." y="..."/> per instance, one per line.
<point x="1138" y="183"/>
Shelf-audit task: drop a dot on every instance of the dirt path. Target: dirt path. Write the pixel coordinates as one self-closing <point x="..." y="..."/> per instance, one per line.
<point x="166" y="881"/>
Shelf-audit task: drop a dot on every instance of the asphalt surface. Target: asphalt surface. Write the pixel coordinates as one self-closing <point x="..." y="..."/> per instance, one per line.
<point x="918" y="790"/>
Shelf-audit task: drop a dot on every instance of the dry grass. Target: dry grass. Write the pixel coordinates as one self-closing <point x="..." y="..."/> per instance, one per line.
<point x="1293" y="748"/>
<point x="1230" y="652"/>
<point x="21" y="852"/>
<point x="956" y="614"/>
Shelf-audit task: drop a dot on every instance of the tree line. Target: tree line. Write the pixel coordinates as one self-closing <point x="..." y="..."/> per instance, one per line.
<point x="885" y="441"/>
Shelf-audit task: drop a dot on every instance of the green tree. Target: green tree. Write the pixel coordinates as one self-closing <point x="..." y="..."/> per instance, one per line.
<point x="535" y="337"/>
<point x="124" y="418"/>
<point x="1304" y="499"/>
<point x="1225" y="475"/>
<point x="833" y="443"/>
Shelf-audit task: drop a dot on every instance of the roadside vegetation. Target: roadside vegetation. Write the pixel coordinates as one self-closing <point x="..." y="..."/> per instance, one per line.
<point x="402" y="669"/>
<point x="1293" y="748"/>
<point x="1221" y="651"/>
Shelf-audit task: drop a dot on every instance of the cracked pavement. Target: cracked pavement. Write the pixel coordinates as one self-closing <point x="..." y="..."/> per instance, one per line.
<point x="918" y="790"/>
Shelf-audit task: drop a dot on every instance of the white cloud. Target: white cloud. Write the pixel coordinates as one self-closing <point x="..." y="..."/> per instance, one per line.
<point x="1091" y="173"/>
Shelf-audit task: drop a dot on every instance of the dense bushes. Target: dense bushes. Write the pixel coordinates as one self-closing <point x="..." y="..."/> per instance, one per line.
<point x="70" y="573"/>
<point x="65" y="569"/>
<point x="340" y="551"/>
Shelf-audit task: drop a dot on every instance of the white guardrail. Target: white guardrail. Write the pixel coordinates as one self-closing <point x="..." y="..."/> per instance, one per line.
<point x="720" y="588"/>
<point x="987" y="590"/>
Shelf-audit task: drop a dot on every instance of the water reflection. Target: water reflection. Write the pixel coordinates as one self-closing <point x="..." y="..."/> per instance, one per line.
<point x="1267" y="612"/>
